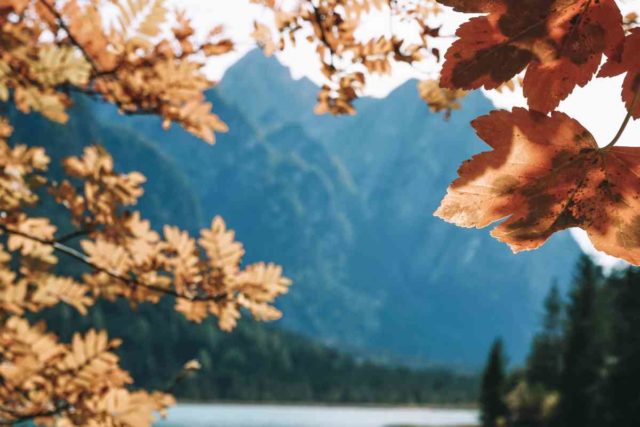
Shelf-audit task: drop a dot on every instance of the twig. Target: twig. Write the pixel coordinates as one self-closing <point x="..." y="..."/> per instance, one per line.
<point x="323" y="35"/>
<point x="72" y="235"/>
<point x="177" y="379"/>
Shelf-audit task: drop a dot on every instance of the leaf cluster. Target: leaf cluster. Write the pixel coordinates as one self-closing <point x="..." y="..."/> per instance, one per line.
<point x="76" y="384"/>
<point x="347" y="58"/>
<point x="48" y="51"/>
<point x="545" y="172"/>
<point x="125" y="258"/>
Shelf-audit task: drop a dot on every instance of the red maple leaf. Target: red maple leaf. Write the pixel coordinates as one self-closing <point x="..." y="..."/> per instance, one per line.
<point x="559" y="42"/>
<point x="547" y="174"/>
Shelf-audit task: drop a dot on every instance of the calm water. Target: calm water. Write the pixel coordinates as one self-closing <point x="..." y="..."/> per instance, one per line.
<point x="231" y="415"/>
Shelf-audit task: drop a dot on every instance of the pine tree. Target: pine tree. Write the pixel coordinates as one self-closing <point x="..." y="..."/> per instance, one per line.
<point x="492" y="393"/>
<point x="583" y="355"/>
<point x="544" y="365"/>
<point x="623" y="391"/>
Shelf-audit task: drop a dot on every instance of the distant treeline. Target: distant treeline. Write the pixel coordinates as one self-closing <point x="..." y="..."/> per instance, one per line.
<point x="583" y="369"/>
<point x="256" y="362"/>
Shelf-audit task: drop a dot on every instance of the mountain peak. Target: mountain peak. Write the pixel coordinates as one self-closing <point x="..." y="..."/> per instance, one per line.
<point x="345" y="205"/>
<point x="265" y="91"/>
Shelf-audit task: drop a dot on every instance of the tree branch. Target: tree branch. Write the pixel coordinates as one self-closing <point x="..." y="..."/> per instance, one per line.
<point x="17" y="418"/>
<point x="59" y="18"/>
<point x="84" y="259"/>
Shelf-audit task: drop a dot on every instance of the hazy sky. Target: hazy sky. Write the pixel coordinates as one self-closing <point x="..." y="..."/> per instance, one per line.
<point x="597" y="107"/>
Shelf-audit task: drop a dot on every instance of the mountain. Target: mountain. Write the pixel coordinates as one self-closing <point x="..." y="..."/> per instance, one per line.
<point x="345" y="205"/>
<point x="131" y="151"/>
<point x="157" y="341"/>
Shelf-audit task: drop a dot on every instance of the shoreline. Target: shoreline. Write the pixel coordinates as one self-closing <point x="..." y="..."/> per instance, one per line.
<point x="261" y="414"/>
<point x="364" y="405"/>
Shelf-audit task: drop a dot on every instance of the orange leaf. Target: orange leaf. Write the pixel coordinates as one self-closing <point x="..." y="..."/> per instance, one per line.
<point x="561" y="42"/>
<point x="262" y="35"/>
<point x="547" y="174"/>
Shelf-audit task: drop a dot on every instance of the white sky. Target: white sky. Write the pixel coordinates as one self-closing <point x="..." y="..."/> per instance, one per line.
<point x="597" y="106"/>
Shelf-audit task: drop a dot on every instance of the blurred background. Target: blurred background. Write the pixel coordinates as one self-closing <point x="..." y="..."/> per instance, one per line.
<point x="395" y="318"/>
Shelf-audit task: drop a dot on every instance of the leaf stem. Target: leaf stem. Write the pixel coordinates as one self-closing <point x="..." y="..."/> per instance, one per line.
<point x="625" y="122"/>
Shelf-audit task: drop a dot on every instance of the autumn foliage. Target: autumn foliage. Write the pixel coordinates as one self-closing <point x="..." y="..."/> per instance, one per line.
<point x="51" y="50"/>
<point x="558" y="44"/>
<point x="544" y="172"/>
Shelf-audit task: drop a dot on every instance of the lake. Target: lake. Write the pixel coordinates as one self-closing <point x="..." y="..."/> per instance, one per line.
<point x="240" y="415"/>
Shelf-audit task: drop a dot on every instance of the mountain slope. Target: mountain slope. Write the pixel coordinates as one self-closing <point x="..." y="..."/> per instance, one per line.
<point x="157" y="341"/>
<point x="131" y="151"/>
<point x="345" y="204"/>
<point x="446" y="291"/>
<point x="289" y="202"/>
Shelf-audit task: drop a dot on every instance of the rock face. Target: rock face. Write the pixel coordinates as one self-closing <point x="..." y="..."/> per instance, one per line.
<point x="345" y="204"/>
